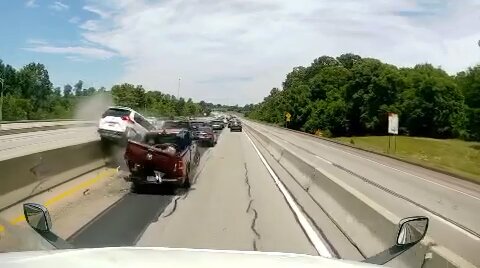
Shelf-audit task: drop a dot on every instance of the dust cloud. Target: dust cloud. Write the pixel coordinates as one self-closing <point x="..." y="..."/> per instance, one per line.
<point x="91" y="108"/>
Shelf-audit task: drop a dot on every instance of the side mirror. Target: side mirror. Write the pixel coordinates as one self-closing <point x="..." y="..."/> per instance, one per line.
<point x="37" y="217"/>
<point x="412" y="230"/>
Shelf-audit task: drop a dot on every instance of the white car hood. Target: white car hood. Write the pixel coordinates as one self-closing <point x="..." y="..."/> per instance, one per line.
<point x="145" y="257"/>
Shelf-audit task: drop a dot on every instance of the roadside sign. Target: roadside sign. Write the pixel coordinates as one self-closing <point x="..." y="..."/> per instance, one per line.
<point x="287" y="116"/>
<point x="393" y="123"/>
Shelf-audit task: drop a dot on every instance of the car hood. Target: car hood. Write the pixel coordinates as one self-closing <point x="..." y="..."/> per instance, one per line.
<point x="120" y="257"/>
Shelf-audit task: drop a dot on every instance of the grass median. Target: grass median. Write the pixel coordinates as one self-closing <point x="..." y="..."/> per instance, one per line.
<point x="454" y="156"/>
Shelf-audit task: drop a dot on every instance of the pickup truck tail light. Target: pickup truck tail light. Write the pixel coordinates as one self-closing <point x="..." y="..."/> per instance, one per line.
<point x="127" y="118"/>
<point x="179" y="166"/>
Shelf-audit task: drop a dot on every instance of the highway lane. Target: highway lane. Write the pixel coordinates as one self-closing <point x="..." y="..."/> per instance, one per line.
<point x="234" y="204"/>
<point x="402" y="189"/>
<point x="16" y="145"/>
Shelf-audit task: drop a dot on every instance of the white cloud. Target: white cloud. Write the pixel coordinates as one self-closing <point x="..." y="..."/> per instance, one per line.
<point x="59" y="6"/>
<point x="74" y="20"/>
<point x="31" y="3"/>
<point x="76" y="52"/>
<point x="97" y="11"/>
<point x="235" y="51"/>
<point x="34" y="41"/>
<point x="90" y="25"/>
<point x="76" y="58"/>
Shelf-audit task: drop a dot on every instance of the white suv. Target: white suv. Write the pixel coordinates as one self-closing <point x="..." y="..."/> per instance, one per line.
<point x="121" y="123"/>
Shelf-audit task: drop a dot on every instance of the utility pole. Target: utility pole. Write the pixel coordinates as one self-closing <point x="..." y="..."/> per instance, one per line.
<point x="178" y="89"/>
<point x="1" y="102"/>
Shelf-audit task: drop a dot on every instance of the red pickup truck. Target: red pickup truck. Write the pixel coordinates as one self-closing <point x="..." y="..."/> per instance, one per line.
<point x="163" y="156"/>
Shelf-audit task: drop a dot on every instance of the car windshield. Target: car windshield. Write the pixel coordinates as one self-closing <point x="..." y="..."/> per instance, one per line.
<point x="327" y="123"/>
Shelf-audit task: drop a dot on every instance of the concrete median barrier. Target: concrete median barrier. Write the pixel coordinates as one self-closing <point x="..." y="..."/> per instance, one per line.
<point x="16" y="127"/>
<point x="27" y="175"/>
<point x="364" y="221"/>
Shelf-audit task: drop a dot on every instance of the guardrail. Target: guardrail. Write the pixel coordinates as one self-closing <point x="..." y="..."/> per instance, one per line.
<point x="43" y="120"/>
<point x="31" y="174"/>
<point x="365" y="222"/>
<point x="23" y="126"/>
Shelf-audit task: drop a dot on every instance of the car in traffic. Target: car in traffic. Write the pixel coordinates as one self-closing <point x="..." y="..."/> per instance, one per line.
<point x="195" y="124"/>
<point x="236" y="125"/>
<point x="177" y="124"/>
<point x="168" y="156"/>
<point x="217" y="124"/>
<point x="230" y="121"/>
<point x="118" y="124"/>
<point x="411" y="231"/>
<point x="205" y="136"/>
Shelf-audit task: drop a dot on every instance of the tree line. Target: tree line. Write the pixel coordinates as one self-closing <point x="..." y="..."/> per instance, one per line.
<point x="350" y="95"/>
<point x="28" y="94"/>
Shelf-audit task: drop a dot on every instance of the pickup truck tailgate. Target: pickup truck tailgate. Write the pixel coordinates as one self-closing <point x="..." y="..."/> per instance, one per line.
<point x="150" y="158"/>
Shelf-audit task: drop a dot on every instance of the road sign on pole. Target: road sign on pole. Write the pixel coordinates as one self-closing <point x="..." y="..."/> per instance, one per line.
<point x="287" y="116"/>
<point x="392" y="129"/>
<point x="393" y="123"/>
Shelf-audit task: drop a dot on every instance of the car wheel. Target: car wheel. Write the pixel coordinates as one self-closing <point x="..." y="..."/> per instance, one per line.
<point x="186" y="183"/>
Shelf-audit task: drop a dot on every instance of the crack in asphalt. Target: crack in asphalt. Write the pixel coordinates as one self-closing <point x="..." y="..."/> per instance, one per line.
<point x="251" y="209"/>
<point x="184" y="196"/>
<point x="173" y="209"/>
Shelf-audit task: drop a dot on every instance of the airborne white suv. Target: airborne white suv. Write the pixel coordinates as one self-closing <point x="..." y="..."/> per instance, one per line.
<point x="121" y="123"/>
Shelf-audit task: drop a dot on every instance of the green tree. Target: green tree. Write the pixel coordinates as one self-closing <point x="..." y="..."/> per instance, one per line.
<point x="469" y="84"/>
<point x="78" y="87"/>
<point x="372" y="92"/>
<point x="34" y="83"/>
<point x="67" y="91"/>
<point x="432" y="104"/>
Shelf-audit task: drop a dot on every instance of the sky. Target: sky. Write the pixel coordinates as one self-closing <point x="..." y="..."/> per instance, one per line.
<point x="229" y="51"/>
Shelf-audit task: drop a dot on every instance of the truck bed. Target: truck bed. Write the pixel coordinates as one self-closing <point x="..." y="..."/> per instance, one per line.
<point x="143" y="158"/>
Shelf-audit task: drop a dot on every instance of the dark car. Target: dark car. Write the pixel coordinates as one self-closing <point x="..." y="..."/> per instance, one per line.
<point x="163" y="156"/>
<point x="205" y="135"/>
<point x="236" y="125"/>
<point x="195" y="124"/>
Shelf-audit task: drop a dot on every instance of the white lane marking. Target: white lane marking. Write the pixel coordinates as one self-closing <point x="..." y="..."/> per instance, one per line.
<point x="407" y="173"/>
<point x="320" y="247"/>
<point x="399" y="170"/>
<point x="323" y="159"/>
<point x="433" y="215"/>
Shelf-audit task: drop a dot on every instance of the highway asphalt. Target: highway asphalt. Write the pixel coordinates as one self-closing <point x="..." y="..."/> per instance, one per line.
<point x="402" y="189"/>
<point x="234" y="204"/>
<point x="16" y="145"/>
